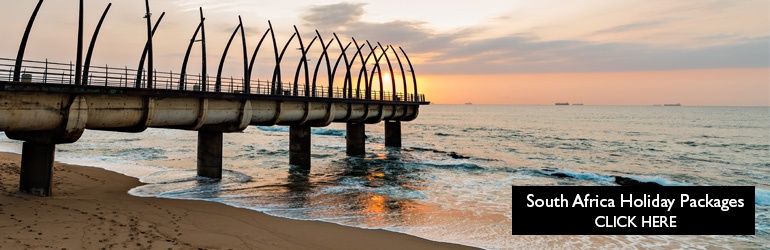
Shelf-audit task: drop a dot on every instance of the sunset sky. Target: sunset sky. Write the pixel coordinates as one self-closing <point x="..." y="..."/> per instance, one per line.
<point x="596" y="52"/>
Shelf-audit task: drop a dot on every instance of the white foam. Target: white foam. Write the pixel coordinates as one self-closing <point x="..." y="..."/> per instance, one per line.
<point x="315" y="131"/>
<point x="657" y="179"/>
<point x="185" y="184"/>
<point x="591" y="177"/>
<point x="329" y="132"/>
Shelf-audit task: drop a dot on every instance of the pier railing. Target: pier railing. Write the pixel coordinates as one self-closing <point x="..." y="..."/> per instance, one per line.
<point x="104" y="75"/>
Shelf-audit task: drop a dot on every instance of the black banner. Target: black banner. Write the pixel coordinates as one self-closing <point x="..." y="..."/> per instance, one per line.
<point x="621" y="210"/>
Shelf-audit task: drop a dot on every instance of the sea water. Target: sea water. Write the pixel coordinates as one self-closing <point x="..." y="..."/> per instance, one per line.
<point x="452" y="179"/>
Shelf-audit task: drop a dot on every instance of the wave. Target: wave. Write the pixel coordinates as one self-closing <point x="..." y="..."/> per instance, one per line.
<point x="185" y="184"/>
<point x="688" y="143"/>
<point x="170" y="176"/>
<point x="658" y="180"/>
<point x="274" y="128"/>
<point x="631" y="180"/>
<point x="176" y="176"/>
<point x="461" y="166"/>
<point x="604" y="179"/>
<point x="683" y="158"/>
<point x="315" y="131"/>
<point x="742" y="146"/>
<point x="321" y="156"/>
<point x="328" y="131"/>
<point x="453" y="155"/>
<point x="278" y="152"/>
<point x="761" y="196"/>
<point x="141" y="153"/>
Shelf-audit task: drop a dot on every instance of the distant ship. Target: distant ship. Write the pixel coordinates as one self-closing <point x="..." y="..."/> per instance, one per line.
<point x="577" y="104"/>
<point x="672" y="104"/>
<point x="468" y="103"/>
<point x="562" y="103"/>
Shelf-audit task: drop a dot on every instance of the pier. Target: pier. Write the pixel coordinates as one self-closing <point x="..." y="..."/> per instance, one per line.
<point x="46" y="103"/>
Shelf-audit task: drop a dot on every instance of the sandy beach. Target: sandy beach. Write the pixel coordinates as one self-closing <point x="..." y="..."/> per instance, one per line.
<point x="90" y="209"/>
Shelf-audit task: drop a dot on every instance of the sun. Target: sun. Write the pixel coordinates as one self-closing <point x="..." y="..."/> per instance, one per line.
<point x="385" y="77"/>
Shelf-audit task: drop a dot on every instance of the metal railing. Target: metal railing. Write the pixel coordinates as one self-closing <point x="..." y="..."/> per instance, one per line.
<point x="64" y="73"/>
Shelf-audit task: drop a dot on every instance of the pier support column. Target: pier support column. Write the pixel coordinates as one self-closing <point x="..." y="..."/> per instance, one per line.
<point x="210" y="154"/>
<point x="356" y="136"/>
<point x="393" y="134"/>
<point x="37" y="168"/>
<point x="299" y="146"/>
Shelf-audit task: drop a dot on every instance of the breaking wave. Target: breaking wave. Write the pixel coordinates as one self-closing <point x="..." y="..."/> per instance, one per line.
<point x="315" y="131"/>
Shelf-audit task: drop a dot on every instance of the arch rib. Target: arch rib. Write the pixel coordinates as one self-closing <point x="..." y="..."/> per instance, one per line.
<point x="87" y="64"/>
<point x="364" y="71"/>
<point x="277" y="72"/>
<point x="246" y="76"/>
<point x="148" y="46"/>
<point x="303" y="60"/>
<point x="347" y="65"/>
<point x="324" y="54"/>
<point x="378" y="68"/>
<point x="205" y="80"/>
<point x="147" y="50"/>
<point x="414" y="79"/>
<point x="346" y="88"/>
<point x="403" y="74"/>
<point x="218" y="84"/>
<point x="273" y="89"/>
<point x="254" y="56"/>
<point x="183" y="74"/>
<point x="79" y="56"/>
<point x="23" y="45"/>
<point x="390" y="70"/>
<point x="363" y="67"/>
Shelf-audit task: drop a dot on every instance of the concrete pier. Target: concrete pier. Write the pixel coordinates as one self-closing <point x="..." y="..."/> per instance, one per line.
<point x="393" y="134"/>
<point x="299" y="146"/>
<point x="210" y="154"/>
<point x="44" y="115"/>
<point x="37" y="168"/>
<point x="355" y="139"/>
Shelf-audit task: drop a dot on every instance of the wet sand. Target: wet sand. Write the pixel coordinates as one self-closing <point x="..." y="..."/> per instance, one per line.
<point x="90" y="209"/>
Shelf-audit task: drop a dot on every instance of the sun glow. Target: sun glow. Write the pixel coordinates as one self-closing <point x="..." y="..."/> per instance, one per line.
<point x="385" y="77"/>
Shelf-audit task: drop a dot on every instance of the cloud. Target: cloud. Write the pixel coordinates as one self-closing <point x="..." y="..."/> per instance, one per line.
<point x="334" y="15"/>
<point x="632" y="26"/>
<point x="458" y="53"/>
<point x="215" y="6"/>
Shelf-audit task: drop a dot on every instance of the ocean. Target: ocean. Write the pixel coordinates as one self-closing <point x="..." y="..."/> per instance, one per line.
<point x="451" y="181"/>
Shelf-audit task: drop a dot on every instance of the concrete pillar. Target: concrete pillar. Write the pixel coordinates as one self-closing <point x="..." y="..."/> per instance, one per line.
<point x="299" y="146"/>
<point x="393" y="134"/>
<point x="356" y="136"/>
<point x="37" y="168"/>
<point x="210" y="154"/>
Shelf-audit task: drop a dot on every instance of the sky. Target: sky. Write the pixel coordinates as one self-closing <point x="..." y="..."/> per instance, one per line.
<point x="596" y="52"/>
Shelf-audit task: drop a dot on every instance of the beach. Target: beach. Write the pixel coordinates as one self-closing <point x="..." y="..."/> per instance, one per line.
<point x="91" y="209"/>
